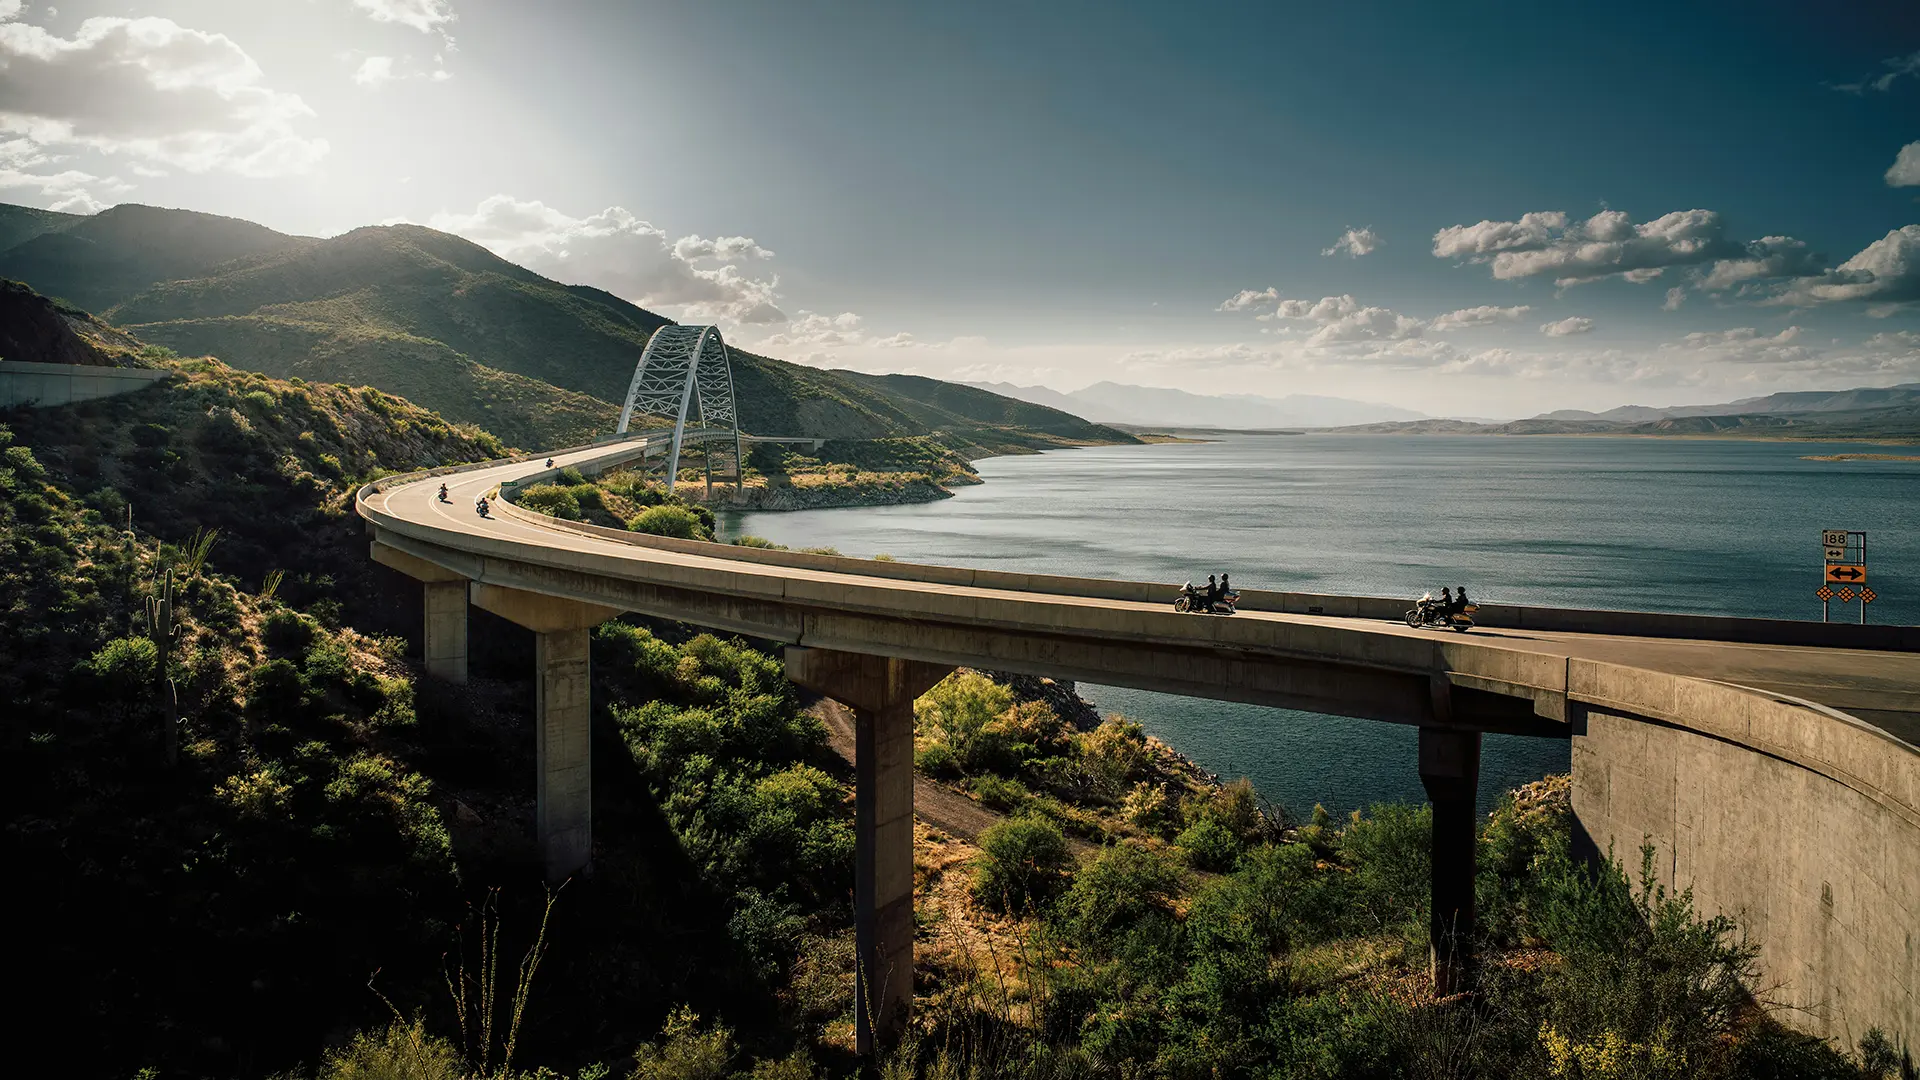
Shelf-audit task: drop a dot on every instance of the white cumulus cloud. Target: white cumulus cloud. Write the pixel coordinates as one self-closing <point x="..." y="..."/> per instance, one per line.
<point x="1567" y="327"/>
<point x="1485" y="315"/>
<point x="151" y="90"/>
<point x="1355" y="242"/>
<point x="1608" y="243"/>
<point x="1885" y="271"/>
<point x="1905" y="171"/>
<point x="619" y="252"/>
<point x="1675" y="297"/>
<point x="426" y="16"/>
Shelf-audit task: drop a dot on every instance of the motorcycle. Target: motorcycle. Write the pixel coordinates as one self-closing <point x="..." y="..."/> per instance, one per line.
<point x="481" y="508"/>
<point x="443" y="494"/>
<point x="1426" y="612"/>
<point x="1195" y="600"/>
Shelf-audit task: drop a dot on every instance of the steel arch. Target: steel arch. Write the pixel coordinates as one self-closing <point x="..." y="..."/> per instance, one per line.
<point x="685" y="369"/>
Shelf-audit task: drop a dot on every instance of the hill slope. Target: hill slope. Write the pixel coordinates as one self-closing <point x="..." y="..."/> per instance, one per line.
<point x="97" y="261"/>
<point x="18" y="224"/>
<point x="457" y="329"/>
<point x="37" y="330"/>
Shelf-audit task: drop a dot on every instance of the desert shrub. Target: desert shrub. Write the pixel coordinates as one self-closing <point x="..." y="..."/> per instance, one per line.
<point x="402" y="1051"/>
<point x="757" y="542"/>
<point x="1126" y="891"/>
<point x="1390" y="852"/>
<point x="551" y="500"/>
<point x="686" y="1050"/>
<point x="1146" y="806"/>
<point x="124" y="669"/>
<point x="937" y="759"/>
<point x="1023" y="863"/>
<point x="1210" y="845"/>
<point x="676" y="521"/>
<point x="999" y="792"/>
<point x="958" y="709"/>
<point x="1115" y="753"/>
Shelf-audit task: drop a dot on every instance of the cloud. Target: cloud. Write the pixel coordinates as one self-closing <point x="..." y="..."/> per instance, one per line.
<point x="1250" y="300"/>
<point x="1485" y="315"/>
<point x="616" y="251"/>
<point x="151" y="90"/>
<point x="426" y="16"/>
<point x="1355" y="242"/>
<point x="68" y="190"/>
<point x="1905" y="171"/>
<point x="1885" y="271"/>
<point x="1675" y="297"/>
<point x="1604" y="245"/>
<point x="1341" y="319"/>
<point x="377" y="71"/>
<point x="1766" y="258"/>
<point x="720" y="247"/>
<point x="1743" y="345"/>
<point x="1573" y="324"/>
<point x="1896" y="66"/>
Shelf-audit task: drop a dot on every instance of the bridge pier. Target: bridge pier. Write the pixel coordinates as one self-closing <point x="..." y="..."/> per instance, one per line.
<point x="563" y="713"/>
<point x="1450" y="771"/>
<point x="880" y="690"/>
<point x="444" y="634"/>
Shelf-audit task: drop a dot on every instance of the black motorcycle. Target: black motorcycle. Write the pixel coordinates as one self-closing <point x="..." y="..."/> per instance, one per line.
<point x="481" y="508"/>
<point x="1195" y="600"/>
<point x="1428" y="612"/>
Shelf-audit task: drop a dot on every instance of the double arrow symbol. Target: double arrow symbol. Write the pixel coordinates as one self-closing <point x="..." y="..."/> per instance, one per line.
<point x="1846" y="573"/>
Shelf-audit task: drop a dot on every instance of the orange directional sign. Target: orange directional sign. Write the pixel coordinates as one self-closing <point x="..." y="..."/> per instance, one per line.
<point x="1846" y="573"/>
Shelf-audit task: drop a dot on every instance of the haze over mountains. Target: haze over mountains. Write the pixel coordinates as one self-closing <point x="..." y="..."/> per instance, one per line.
<point x="449" y="325"/>
<point x="1148" y="406"/>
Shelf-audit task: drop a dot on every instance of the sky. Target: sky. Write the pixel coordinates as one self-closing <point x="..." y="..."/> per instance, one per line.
<point x="1487" y="209"/>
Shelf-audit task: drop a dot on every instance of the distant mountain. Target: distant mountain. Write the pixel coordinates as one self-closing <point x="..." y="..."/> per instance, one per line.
<point x="449" y="325"/>
<point x="1120" y="403"/>
<point x="1783" y="404"/>
<point x="18" y="224"/>
<point x="98" y="261"/>
<point x="1899" y="422"/>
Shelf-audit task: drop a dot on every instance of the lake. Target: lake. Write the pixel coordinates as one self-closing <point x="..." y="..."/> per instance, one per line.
<point x="1681" y="525"/>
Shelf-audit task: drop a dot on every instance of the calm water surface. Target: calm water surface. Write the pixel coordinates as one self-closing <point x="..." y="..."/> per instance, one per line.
<point x="1725" y="528"/>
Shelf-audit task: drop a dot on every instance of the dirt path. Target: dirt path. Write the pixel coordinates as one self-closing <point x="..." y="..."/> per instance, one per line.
<point x="934" y="803"/>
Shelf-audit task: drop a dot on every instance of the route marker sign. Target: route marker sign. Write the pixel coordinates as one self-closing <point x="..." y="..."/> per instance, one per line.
<point x="1844" y="553"/>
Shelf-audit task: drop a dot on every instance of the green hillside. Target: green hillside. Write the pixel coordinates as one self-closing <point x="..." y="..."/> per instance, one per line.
<point x="97" y="261"/>
<point x="19" y="224"/>
<point x="459" y="330"/>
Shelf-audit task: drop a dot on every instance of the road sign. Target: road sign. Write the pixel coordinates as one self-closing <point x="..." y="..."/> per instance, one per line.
<point x="1837" y="553"/>
<point x="1833" y="538"/>
<point x="1847" y="573"/>
<point x="1846" y="593"/>
<point x="1867" y="596"/>
<point x="1823" y="593"/>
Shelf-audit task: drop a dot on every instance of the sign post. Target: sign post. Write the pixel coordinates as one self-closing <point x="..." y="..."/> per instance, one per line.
<point x="1845" y="552"/>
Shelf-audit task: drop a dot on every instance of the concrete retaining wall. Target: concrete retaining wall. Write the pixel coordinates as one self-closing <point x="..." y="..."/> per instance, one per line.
<point x="1799" y="823"/>
<point x="24" y="384"/>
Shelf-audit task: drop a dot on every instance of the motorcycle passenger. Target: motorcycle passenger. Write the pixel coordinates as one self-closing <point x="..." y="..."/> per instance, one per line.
<point x="1459" y="601"/>
<point x="1225" y="589"/>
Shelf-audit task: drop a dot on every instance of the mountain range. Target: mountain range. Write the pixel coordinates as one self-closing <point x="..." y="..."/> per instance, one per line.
<point x="1149" y="406"/>
<point x="449" y="325"/>
<point x="1783" y="404"/>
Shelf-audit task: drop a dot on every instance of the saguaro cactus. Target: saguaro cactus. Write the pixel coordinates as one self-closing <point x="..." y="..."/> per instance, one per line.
<point x="163" y="632"/>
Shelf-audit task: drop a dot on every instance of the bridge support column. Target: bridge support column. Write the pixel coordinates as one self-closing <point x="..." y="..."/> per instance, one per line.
<point x="563" y="713"/>
<point x="880" y="691"/>
<point x="445" y="644"/>
<point x="444" y="637"/>
<point x="1450" y="771"/>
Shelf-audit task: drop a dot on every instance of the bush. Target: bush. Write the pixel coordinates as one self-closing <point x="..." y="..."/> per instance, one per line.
<point x="685" y="1050"/>
<point x="1127" y="888"/>
<point x="287" y="633"/>
<point x="551" y="500"/>
<point x="675" y="521"/>
<point x="1210" y="845"/>
<point x="125" y="668"/>
<point x="1000" y="793"/>
<point x="1023" y="863"/>
<point x="401" y="1052"/>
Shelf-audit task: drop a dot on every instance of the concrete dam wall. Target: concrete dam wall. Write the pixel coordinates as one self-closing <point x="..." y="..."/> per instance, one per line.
<point x="24" y="384"/>
<point x="1798" y="822"/>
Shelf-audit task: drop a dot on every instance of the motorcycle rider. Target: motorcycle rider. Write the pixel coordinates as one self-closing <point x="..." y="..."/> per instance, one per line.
<point x="1444" y="606"/>
<point x="1213" y="592"/>
<point x="443" y="493"/>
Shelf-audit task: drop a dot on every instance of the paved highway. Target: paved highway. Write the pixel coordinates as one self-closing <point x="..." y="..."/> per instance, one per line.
<point x="1882" y="688"/>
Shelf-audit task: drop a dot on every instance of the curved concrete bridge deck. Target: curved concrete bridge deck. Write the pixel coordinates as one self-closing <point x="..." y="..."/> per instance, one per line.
<point x="1780" y="749"/>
